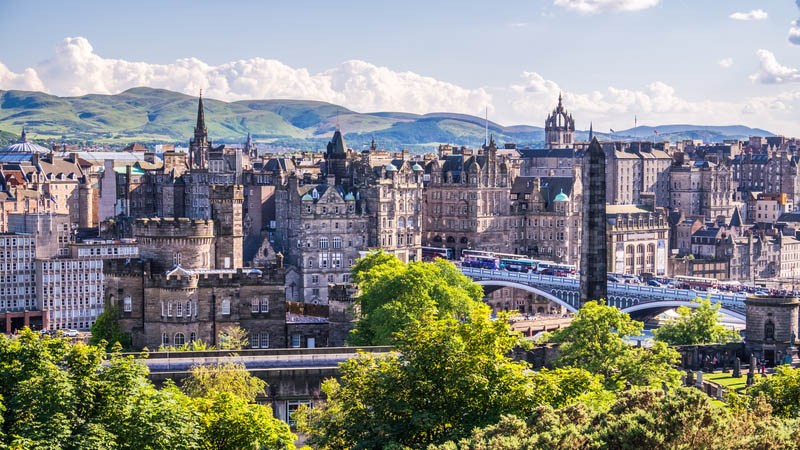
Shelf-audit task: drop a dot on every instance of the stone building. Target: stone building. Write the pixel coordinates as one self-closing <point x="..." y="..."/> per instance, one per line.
<point x="559" y="128"/>
<point x="467" y="201"/>
<point x="703" y="189"/>
<point x="635" y="168"/>
<point x="772" y="327"/>
<point x="638" y="239"/>
<point x="771" y="173"/>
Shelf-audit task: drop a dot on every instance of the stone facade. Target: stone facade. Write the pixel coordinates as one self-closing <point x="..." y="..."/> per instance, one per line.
<point x="594" y="283"/>
<point x="772" y="327"/>
<point x="703" y="189"/>
<point x="639" y="237"/>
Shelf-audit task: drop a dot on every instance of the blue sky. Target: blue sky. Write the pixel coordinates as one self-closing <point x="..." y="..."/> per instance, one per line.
<point x="667" y="61"/>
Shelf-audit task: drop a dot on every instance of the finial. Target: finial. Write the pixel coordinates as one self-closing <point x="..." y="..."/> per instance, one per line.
<point x="23" y="137"/>
<point x="201" y="92"/>
<point x="559" y="100"/>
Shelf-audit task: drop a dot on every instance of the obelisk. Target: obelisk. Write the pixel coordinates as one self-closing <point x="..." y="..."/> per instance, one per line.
<point x="594" y="277"/>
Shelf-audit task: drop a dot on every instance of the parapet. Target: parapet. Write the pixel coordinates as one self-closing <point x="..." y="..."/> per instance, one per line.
<point x="182" y="227"/>
<point x="227" y="191"/>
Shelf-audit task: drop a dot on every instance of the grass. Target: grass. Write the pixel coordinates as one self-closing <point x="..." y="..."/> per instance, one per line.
<point x="728" y="381"/>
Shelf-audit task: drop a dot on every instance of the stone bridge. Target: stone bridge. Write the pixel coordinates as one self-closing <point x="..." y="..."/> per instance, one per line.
<point x="630" y="298"/>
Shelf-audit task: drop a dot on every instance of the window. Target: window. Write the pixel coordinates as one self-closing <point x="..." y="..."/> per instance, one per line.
<point x="254" y="305"/>
<point x="323" y="242"/>
<point x="264" y="340"/>
<point x="254" y="340"/>
<point x="179" y="309"/>
<point x="295" y="341"/>
<point x="188" y="309"/>
<point x="264" y="305"/>
<point x="180" y="339"/>
<point x="126" y="304"/>
<point x="164" y="339"/>
<point x="291" y="407"/>
<point x="337" y="242"/>
<point x="193" y="337"/>
<point x="169" y="309"/>
<point x="314" y="279"/>
<point x="176" y="259"/>
<point x="226" y="307"/>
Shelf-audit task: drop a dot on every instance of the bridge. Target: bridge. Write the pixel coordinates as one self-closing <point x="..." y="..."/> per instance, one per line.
<point x="630" y="298"/>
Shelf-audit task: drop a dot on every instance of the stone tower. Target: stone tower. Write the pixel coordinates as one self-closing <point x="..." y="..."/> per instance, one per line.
<point x="559" y="128"/>
<point x="772" y="327"/>
<point x="199" y="145"/>
<point x="594" y="277"/>
<point x="336" y="157"/>
<point x="226" y="209"/>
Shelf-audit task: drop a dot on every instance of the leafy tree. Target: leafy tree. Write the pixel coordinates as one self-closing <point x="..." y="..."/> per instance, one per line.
<point x="395" y="296"/>
<point x="230" y="422"/>
<point x="696" y="326"/>
<point x="595" y="341"/>
<point x="207" y="381"/>
<point x="781" y="390"/>
<point x="447" y="377"/>
<point x="232" y="338"/>
<point x="106" y="328"/>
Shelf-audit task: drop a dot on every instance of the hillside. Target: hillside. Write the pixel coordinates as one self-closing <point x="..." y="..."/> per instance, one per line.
<point x="149" y="116"/>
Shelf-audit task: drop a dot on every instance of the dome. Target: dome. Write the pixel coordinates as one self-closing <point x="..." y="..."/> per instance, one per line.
<point x="416" y="168"/>
<point x="306" y="197"/>
<point x="561" y="197"/>
<point x="23" y="146"/>
<point x="391" y="168"/>
<point x="349" y="196"/>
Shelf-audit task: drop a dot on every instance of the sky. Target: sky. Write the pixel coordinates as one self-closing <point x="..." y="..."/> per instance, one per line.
<point x="704" y="62"/>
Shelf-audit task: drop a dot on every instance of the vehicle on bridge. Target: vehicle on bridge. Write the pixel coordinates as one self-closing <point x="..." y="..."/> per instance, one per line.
<point x="481" y="262"/>
<point x="555" y="269"/>
<point x="431" y="253"/>
<point x="696" y="283"/>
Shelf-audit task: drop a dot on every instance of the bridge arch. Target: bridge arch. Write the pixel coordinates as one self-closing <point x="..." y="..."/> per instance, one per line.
<point x="531" y="289"/>
<point x="676" y="303"/>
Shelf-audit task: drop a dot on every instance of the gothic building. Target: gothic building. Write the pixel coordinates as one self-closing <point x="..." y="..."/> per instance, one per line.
<point x="559" y="128"/>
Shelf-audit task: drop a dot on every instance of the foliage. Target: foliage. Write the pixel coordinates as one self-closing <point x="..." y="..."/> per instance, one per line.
<point x="696" y="326"/>
<point x="230" y="422"/>
<point x="231" y="378"/>
<point x="107" y="329"/>
<point x="232" y="338"/>
<point x="394" y="296"/>
<point x="781" y="390"/>
<point x="60" y="396"/>
<point x="447" y="378"/>
<point x="594" y="341"/>
<point x="684" y="418"/>
<point x="197" y="345"/>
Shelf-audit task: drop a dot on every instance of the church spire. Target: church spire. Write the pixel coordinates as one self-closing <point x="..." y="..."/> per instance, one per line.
<point x="591" y="132"/>
<point x="560" y="105"/>
<point x="201" y="120"/>
<point x="23" y="138"/>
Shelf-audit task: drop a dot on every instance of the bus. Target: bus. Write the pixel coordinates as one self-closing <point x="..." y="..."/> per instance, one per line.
<point x="703" y="284"/>
<point x="431" y="253"/>
<point x="551" y="268"/>
<point x="480" y="262"/>
<point x="518" y="264"/>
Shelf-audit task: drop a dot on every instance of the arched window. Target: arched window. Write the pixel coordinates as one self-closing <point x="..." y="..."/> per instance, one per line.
<point x="164" y="339"/>
<point x="323" y="242"/>
<point x="437" y="239"/>
<point x="451" y="240"/>
<point x="401" y="223"/>
<point x="193" y="337"/>
<point x="180" y="339"/>
<point x="464" y="240"/>
<point x="226" y="307"/>
<point x="769" y="331"/>
<point x="410" y="222"/>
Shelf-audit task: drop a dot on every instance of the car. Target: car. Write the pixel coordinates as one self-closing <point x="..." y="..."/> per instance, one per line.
<point x="654" y="283"/>
<point x="613" y="279"/>
<point x="71" y="333"/>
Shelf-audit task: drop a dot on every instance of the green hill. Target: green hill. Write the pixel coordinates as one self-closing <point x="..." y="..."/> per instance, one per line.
<point x="151" y="116"/>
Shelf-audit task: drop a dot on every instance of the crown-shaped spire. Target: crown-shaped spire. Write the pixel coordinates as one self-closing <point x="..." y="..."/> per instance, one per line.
<point x="201" y="120"/>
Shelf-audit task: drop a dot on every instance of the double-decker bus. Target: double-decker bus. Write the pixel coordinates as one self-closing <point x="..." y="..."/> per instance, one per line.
<point x="700" y="283"/>
<point x="506" y="261"/>
<point x="481" y="262"/>
<point x="551" y="268"/>
<point x="431" y="253"/>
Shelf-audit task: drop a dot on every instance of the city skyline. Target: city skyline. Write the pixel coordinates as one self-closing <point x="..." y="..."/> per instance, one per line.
<point x="614" y="60"/>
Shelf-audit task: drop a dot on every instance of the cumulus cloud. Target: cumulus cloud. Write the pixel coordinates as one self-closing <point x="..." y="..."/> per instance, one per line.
<point x="76" y="69"/>
<point x="794" y="32"/>
<point x="598" y="6"/>
<point x="725" y="62"/>
<point x="772" y="72"/>
<point x="756" y="14"/>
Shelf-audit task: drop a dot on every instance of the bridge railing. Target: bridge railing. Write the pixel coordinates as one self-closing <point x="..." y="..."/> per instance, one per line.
<point x="730" y="300"/>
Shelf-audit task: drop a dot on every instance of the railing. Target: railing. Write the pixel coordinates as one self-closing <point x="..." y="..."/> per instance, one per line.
<point x="730" y="300"/>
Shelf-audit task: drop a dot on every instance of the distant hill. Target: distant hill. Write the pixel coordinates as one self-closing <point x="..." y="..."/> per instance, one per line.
<point x="150" y="116"/>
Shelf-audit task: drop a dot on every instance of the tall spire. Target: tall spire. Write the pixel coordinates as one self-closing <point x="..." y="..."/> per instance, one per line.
<point x="560" y="106"/>
<point x="23" y="138"/>
<point x="201" y="120"/>
<point x="591" y="132"/>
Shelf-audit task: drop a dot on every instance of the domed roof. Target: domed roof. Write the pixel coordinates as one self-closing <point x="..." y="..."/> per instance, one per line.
<point x="23" y="146"/>
<point x="561" y="197"/>
<point x="416" y="168"/>
<point x="349" y="196"/>
<point x="306" y="197"/>
<point x="391" y="168"/>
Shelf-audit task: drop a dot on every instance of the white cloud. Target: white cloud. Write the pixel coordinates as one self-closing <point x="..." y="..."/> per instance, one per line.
<point x="76" y="70"/>
<point x="773" y="72"/>
<point x="598" y="6"/>
<point x="518" y="24"/>
<point x="794" y="32"/>
<point x="756" y="14"/>
<point x="725" y="62"/>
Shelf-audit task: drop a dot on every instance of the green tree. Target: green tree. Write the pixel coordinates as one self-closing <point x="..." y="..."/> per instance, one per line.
<point x="781" y="390"/>
<point x="232" y="338"/>
<point x="208" y="381"/>
<point x="230" y="422"/>
<point x="696" y="326"/>
<point x="447" y="377"/>
<point x="394" y="295"/>
<point x="595" y="341"/>
<point x="106" y="328"/>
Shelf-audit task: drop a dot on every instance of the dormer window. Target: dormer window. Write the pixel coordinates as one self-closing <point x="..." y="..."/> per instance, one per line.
<point x="315" y="194"/>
